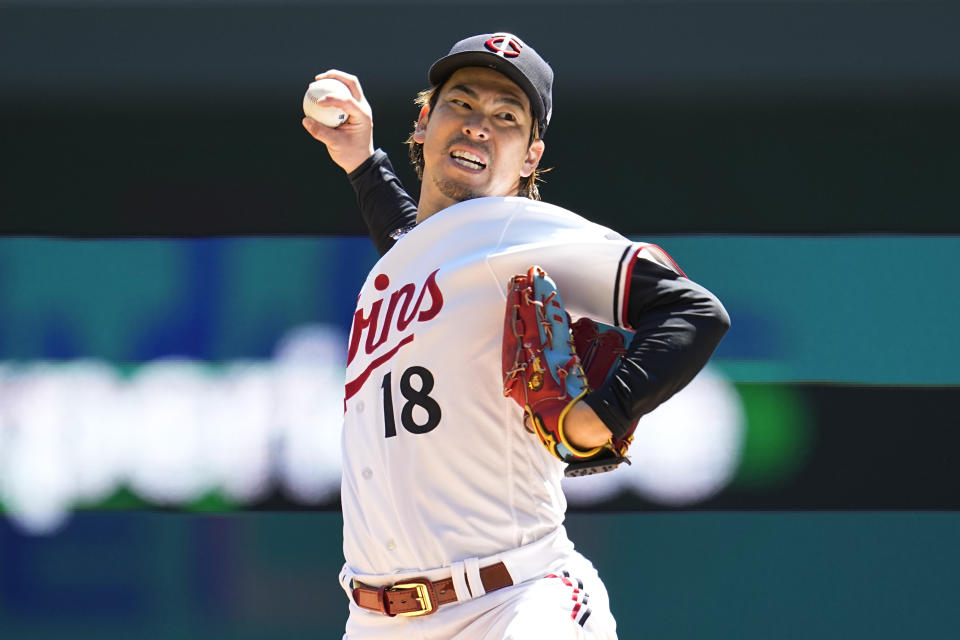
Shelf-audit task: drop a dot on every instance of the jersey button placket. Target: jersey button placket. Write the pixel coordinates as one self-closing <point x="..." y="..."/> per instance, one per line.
<point x="391" y="545"/>
<point x="367" y="473"/>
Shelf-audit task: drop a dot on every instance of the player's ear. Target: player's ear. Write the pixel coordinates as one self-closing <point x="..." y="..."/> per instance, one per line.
<point x="532" y="159"/>
<point x="420" y="132"/>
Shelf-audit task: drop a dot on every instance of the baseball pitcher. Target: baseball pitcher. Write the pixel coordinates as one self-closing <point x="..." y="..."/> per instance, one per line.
<point x="477" y="374"/>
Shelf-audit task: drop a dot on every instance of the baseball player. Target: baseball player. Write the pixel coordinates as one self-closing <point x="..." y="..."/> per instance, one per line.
<point x="453" y="511"/>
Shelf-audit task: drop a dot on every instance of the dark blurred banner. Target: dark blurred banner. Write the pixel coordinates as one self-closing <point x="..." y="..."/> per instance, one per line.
<point x="182" y="118"/>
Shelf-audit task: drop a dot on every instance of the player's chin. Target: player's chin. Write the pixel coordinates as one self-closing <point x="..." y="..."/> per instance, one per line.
<point x="458" y="190"/>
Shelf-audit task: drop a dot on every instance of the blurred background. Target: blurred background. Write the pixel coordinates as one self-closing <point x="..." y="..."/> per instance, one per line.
<point x="179" y="262"/>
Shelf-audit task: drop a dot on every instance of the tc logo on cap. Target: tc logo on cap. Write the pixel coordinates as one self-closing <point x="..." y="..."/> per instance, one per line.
<point x="505" y="45"/>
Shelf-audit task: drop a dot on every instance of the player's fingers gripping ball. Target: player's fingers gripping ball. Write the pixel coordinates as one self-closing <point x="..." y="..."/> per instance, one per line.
<point x="544" y="375"/>
<point x="329" y="116"/>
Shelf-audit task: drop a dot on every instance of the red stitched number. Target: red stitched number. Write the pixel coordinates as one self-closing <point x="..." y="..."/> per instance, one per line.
<point x="415" y="398"/>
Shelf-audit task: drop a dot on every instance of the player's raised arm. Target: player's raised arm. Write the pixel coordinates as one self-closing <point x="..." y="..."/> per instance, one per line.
<point x="384" y="204"/>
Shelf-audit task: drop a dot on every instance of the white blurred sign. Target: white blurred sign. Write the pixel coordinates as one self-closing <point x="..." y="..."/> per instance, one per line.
<point x="175" y="430"/>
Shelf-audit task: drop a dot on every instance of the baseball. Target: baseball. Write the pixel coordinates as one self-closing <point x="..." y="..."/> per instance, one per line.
<point x="329" y="116"/>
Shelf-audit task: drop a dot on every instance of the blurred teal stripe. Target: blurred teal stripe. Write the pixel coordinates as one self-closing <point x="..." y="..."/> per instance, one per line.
<point x="851" y="309"/>
<point x="127" y="300"/>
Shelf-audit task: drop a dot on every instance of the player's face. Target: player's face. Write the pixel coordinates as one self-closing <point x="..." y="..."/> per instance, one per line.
<point x="476" y="139"/>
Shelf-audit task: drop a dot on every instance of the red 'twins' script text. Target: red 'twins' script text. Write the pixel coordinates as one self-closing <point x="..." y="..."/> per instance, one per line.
<point x="401" y="311"/>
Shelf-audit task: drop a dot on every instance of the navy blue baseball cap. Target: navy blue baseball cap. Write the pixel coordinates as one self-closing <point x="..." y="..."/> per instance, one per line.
<point x="508" y="54"/>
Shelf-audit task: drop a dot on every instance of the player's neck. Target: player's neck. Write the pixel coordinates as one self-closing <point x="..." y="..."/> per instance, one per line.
<point x="431" y="201"/>
<point x="424" y="212"/>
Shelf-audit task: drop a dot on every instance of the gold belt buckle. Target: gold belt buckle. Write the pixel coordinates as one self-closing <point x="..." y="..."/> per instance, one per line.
<point x="423" y="597"/>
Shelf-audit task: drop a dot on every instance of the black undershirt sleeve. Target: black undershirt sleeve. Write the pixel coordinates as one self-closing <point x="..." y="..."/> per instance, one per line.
<point x="678" y="324"/>
<point x="384" y="204"/>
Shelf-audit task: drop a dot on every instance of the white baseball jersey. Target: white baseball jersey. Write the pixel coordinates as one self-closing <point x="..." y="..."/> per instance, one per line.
<point x="437" y="465"/>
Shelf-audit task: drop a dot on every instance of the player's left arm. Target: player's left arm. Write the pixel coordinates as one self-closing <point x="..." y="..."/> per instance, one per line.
<point x="677" y="325"/>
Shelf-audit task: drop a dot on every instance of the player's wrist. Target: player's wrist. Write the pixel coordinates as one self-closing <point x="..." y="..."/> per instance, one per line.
<point x="354" y="161"/>
<point x="583" y="429"/>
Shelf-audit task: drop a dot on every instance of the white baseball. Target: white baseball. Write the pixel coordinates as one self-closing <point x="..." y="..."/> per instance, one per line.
<point x="326" y="115"/>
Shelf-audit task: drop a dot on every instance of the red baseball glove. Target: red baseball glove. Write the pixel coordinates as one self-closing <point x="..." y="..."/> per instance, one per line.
<point x="543" y="373"/>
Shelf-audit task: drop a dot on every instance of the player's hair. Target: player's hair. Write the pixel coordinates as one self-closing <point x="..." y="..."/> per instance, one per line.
<point x="528" y="185"/>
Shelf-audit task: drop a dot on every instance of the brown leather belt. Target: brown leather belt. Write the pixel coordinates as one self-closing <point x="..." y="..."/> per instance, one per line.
<point x="419" y="596"/>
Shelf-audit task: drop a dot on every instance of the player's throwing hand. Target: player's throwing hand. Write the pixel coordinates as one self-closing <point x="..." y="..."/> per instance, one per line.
<point x="351" y="143"/>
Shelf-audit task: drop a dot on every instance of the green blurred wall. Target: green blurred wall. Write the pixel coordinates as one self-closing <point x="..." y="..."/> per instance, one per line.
<point x="670" y="575"/>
